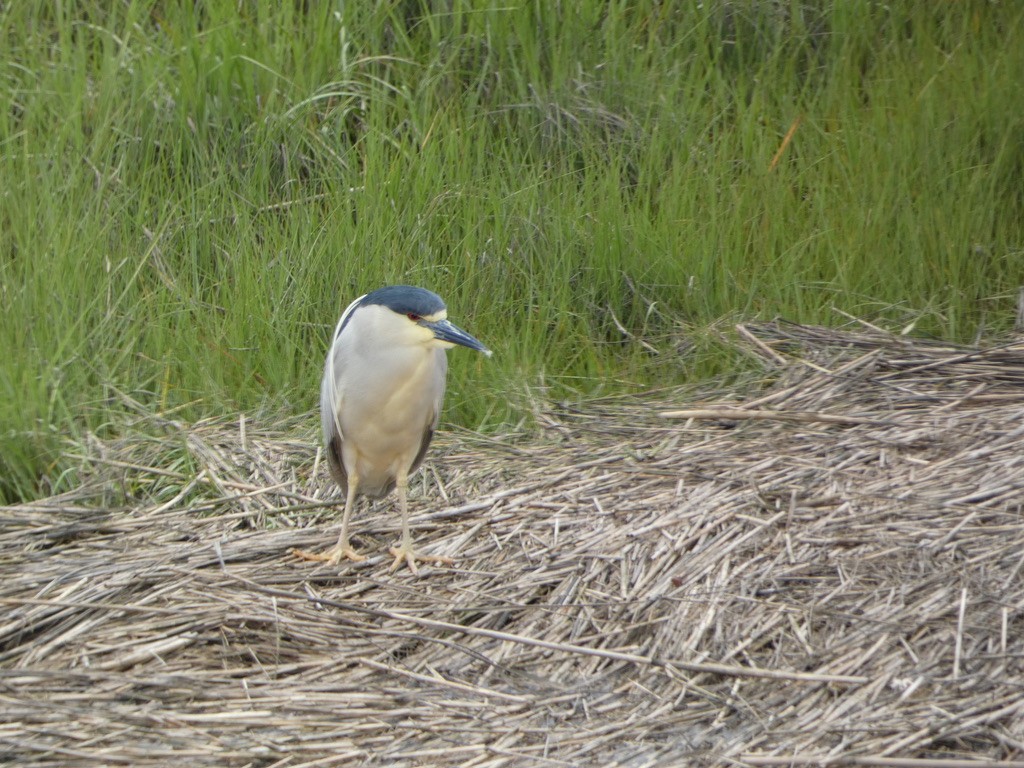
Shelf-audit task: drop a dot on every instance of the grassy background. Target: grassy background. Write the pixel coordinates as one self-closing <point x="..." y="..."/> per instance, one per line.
<point x="190" y="196"/>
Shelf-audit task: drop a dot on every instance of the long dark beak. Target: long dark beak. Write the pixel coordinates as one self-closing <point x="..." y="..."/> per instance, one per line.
<point x="445" y="331"/>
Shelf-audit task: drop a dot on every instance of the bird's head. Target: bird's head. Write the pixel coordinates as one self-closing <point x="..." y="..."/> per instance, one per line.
<point x="410" y="316"/>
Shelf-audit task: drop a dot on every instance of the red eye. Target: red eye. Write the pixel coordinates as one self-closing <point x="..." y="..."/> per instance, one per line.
<point x="413" y="316"/>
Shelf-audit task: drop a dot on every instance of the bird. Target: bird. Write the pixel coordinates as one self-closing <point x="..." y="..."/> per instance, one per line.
<point x="380" y="402"/>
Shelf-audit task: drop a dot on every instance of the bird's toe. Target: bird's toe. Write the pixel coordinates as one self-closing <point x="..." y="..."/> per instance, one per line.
<point x="403" y="555"/>
<point x="409" y="556"/>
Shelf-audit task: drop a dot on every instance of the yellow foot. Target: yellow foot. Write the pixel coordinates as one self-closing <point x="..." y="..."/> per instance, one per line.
<point x="331" y="556"/>
<point x="407" y="555"/>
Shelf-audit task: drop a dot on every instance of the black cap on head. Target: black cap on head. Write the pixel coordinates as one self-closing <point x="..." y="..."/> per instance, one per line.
<point x="405" y="300"/>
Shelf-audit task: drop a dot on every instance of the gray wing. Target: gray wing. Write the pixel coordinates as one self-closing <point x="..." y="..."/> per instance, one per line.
<point x="333" y="439"/>
<point x="330" y="404"/>
<point x="440" y="378"/>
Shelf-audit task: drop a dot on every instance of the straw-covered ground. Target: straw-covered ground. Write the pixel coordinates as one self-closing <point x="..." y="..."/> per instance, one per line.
<point x="832" y="574"/>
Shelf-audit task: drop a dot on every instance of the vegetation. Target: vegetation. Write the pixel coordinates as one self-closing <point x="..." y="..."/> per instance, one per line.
<point x="191" y="193"/>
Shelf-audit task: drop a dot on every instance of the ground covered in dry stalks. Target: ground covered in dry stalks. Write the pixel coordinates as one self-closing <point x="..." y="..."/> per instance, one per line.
<point x="826" y="567"/>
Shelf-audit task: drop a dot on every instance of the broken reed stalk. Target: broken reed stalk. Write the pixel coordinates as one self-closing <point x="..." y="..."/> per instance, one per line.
<point x="746" y="414"/>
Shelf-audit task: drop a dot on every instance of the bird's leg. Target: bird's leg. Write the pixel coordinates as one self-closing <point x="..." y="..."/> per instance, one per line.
<point x="342" y="548"/>
<point x="405" y="552"/>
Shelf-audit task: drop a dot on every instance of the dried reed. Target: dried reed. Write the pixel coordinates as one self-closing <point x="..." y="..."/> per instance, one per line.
<point x="715" y="588"/>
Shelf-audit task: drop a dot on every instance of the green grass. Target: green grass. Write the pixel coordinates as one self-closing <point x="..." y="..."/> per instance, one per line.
<point x="189" y="198"/>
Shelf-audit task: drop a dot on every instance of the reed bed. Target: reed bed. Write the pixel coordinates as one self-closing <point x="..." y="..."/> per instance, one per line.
<point x="825" y="566"/>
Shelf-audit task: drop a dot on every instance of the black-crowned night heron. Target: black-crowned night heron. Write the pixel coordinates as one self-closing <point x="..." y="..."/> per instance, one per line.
<point x="380" y="400"/>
